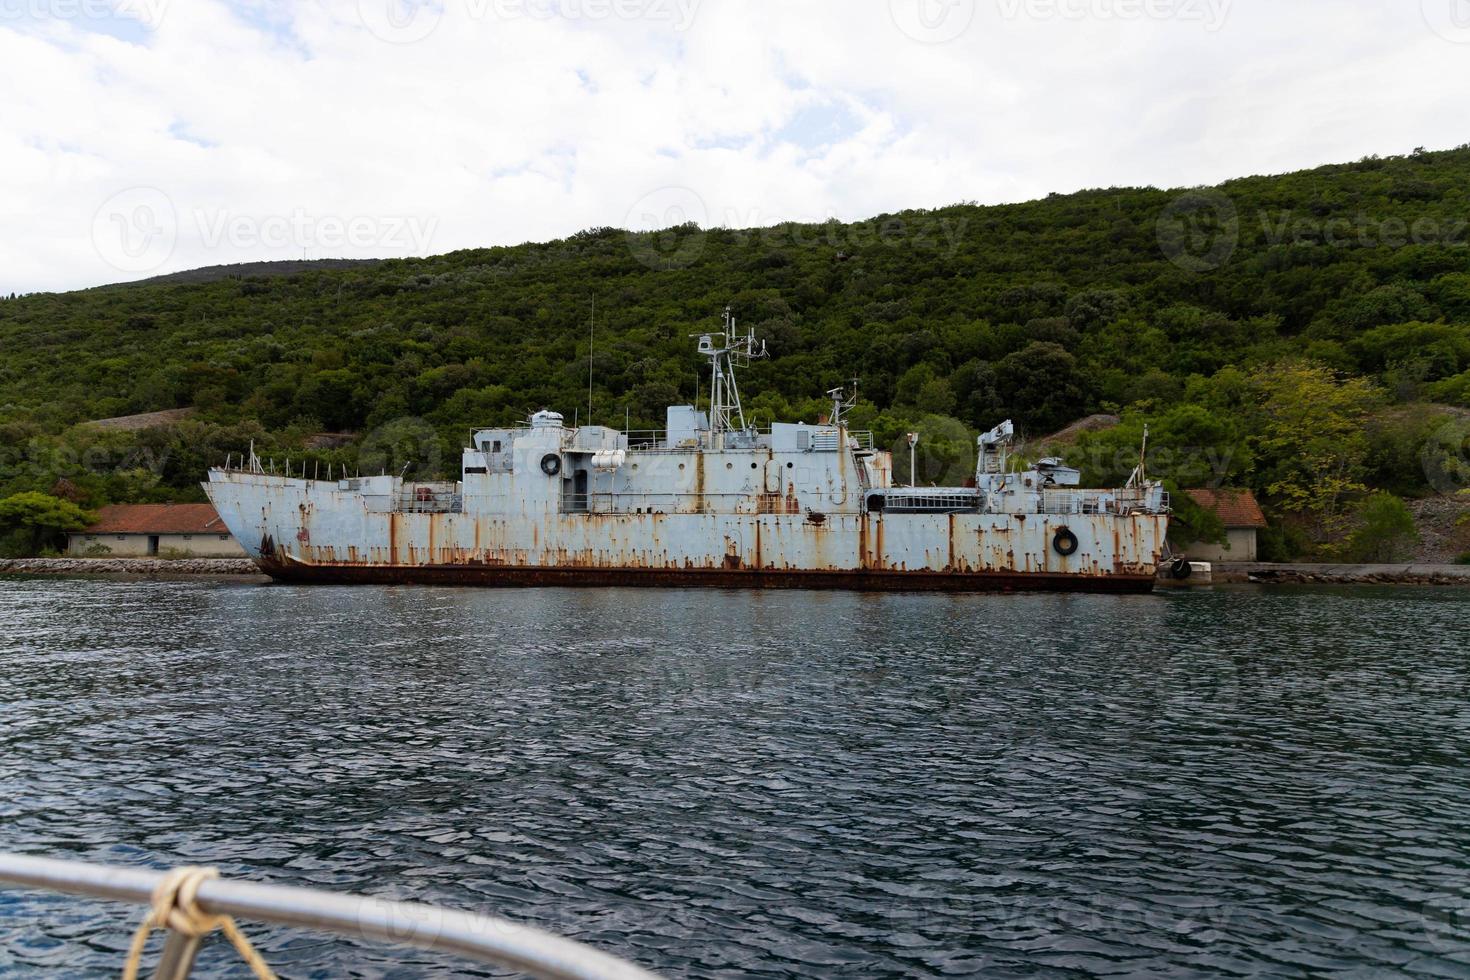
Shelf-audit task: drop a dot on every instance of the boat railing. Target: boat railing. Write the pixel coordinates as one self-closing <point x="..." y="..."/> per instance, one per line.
<point x="664" y="502"/>
<point x="1141" y="498"/>
<point x="1125" y="501"/>
<point x="658" y="441"/>
<point x="647" y="440"/>
<point x="923" y="500"/>
<point x="428" y="499"/>
<point x="488" y="939"/>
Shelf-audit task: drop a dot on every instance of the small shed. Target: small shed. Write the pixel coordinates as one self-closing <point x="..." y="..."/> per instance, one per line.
<point x="1242" y="517"/>
<point x="141" y="530"/>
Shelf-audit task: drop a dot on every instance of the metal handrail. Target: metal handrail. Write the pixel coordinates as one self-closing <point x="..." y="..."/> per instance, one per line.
<point x="480" y="937"/>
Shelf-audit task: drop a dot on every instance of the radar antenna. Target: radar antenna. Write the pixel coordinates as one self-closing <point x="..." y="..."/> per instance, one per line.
<point x="727" y="350"/>
<point x="844" y="400"/>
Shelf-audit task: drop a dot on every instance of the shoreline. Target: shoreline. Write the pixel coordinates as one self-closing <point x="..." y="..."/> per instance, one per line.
<point x="135" y="568"/>
<point x="1305" y="573"/>
<point x="1225" y="573"/>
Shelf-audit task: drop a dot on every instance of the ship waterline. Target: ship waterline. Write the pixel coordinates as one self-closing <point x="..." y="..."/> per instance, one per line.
<point x="709" y="500"/>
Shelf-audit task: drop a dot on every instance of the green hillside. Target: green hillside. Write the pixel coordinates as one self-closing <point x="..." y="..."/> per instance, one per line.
<point x="1271" y="331"/>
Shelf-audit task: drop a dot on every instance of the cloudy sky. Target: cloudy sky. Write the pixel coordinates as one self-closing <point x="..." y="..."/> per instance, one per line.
<point x="145" y="136"/>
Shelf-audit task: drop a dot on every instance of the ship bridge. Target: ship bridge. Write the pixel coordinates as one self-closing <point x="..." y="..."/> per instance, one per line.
<point x="689" y="467"/>
<point x="703" y="462"/>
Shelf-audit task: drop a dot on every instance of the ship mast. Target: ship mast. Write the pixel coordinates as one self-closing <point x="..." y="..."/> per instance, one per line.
<point x="843" y="401"/>
<point x="727" y="351"/>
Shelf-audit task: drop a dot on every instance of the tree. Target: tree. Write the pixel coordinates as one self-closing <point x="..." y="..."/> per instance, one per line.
<point x="922" y="388"/>
<point x="1042" y="387"/>
<point x="33" y="521"/>
<point x="1312" y="442"/>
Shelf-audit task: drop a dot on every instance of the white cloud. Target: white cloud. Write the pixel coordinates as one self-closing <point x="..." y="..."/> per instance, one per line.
<point x="282" y="128"/>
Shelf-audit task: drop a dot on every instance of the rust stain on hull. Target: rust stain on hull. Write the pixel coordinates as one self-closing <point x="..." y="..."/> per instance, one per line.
<point x="863" y="580"/>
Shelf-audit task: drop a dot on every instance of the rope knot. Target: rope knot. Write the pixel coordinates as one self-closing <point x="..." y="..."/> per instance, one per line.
<point x="175" y="907"/>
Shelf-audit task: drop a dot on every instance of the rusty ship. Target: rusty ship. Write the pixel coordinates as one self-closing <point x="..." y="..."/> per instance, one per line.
<point x="708" y="501"/>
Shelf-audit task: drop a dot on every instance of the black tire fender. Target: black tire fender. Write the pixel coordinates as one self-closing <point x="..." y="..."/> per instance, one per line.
<point x="1181" y="569"/>
<point x="551" y="464"/>
<point x="1065" y="543"/>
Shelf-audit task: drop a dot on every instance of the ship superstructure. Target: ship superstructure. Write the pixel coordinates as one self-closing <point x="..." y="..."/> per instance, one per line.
<point x="710" y="500"/>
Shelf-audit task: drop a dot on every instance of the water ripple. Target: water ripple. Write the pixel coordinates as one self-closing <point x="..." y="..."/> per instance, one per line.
<point x="767" y="785"/>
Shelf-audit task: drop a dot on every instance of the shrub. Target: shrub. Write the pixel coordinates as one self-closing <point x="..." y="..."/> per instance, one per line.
<point x="1385" y="531"/>
<point x="1282" y="542"/>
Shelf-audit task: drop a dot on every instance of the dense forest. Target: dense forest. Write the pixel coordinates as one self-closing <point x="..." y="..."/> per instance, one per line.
<point x="1305" y="335"/>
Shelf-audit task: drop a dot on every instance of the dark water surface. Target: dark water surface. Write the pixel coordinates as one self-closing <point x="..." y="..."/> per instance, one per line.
<point x="744" y="784"/>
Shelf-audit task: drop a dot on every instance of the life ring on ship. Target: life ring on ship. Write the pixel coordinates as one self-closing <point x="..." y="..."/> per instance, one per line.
<point x="1181" y="569"/>
<point x="551" y="464"/>
<point x="1065" y="543"/>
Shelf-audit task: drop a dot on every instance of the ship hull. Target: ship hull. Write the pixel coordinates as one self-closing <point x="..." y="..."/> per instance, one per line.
<point x="492" y="576"/>
<point x="307" y="531"/>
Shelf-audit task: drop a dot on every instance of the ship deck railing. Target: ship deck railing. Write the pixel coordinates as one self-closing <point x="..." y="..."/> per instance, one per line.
<point x="1048" y="502"/>
<point x="658" y="441"/>
<point x="1115" y="502"/>
<point x="487" y="939"/>
<point x="428" y="498"/>
<point x="638" y="503"/>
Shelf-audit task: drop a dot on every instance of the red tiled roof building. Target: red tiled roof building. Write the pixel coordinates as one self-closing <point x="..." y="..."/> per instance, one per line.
<point x="135" y="530"/>
<point x="1242" y="517"/>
